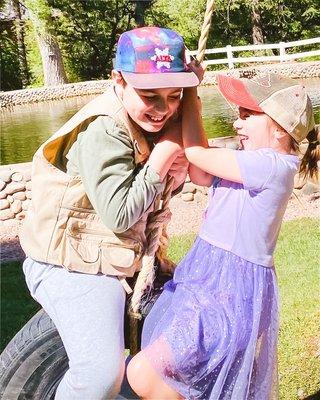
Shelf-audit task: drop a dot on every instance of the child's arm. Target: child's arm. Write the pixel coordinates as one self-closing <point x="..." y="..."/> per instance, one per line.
<point x="199" y="177"/>
<point x="215" y="161"/>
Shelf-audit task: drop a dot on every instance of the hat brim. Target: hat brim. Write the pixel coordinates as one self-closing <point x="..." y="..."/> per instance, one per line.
<point x="235" y="91"/>
<point x="161" y="80"/>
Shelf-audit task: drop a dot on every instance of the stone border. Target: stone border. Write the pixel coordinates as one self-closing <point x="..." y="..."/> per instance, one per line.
<point x="15" y="186"/>
<point x="17" y="97"/>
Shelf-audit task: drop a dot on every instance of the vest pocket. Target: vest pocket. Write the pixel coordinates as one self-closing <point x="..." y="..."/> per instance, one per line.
<point x="90" y="250"/>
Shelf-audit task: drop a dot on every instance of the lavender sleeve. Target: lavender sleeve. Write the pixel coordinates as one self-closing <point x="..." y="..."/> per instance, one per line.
<point x="257" y="168"/>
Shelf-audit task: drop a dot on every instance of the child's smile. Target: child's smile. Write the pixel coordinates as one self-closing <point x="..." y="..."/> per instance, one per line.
<point x="150" y="108"/>
<point x="254" y="129"/>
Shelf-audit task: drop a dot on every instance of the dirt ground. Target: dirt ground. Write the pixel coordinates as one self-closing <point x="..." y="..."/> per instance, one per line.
<point x="186" y="218"/>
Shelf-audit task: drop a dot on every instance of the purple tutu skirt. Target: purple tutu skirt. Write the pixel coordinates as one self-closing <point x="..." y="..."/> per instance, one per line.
<point x="212" y="334"/>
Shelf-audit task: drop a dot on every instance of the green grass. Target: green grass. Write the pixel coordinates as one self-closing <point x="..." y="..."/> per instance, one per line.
<point x="17" y="306"/>
<point x="299" y="282"/>
<point x="297" y="266"/>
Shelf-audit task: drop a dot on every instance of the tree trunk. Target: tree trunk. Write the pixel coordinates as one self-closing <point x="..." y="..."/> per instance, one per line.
<point x="19" y="30"/>
<point x="257" y="35"/>
<point x="53" y="70"/>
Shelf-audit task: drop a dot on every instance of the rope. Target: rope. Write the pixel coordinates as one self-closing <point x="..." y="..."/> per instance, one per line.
<point x="205" y="30"/>
<point x="156" y="234"/>
<point x="155" y="230"/>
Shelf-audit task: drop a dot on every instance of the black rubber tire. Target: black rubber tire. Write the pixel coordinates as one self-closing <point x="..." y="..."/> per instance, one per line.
<point x="33" y="363"/>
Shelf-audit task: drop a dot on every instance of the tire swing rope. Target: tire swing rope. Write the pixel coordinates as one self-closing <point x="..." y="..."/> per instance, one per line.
<point x="157" y="238"/>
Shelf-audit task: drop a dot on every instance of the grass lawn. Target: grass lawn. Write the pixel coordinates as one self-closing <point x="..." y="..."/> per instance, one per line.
<point x="299" y="282"/>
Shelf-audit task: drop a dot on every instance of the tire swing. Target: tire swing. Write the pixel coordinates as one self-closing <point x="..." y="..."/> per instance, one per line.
<point x="34" y="362"/>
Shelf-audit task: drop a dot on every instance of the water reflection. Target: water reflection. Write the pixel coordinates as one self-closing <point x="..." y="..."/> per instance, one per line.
<point x="24" y="128"/>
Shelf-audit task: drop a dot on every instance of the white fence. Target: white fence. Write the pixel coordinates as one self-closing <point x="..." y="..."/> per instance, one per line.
<point x="282" y="46"/>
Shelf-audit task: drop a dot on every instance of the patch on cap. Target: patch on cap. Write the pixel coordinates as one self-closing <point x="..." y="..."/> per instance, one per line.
<point x="162" y="58"/>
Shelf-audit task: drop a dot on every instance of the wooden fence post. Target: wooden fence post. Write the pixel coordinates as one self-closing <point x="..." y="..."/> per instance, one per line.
<point x="282" y="52"/>
<point x="230" y="56"/>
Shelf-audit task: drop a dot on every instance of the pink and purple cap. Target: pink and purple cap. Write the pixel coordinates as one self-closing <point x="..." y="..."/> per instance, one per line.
<point x="152" y="57"/>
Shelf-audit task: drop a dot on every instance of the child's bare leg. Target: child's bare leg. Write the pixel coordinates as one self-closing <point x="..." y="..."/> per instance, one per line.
<point x="146" y="382"/>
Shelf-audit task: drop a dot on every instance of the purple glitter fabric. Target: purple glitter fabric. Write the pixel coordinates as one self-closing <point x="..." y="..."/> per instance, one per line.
<point x="212" y="334"/>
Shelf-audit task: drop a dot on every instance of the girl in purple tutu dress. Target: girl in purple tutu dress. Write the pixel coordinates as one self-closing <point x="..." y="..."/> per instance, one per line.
<point x="212" y="334"/>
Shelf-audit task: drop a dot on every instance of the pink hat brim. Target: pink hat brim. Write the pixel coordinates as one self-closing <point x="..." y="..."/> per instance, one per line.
<point x="236" y="92"/>
<point x="161" y="80"/>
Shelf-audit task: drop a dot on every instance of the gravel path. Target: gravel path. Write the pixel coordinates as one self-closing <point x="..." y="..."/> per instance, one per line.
<point x="186" y="218"/>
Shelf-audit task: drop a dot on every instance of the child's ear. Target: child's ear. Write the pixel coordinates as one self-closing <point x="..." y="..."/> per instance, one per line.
<point x="117" y="77"/>
<point x="280" y="133"/>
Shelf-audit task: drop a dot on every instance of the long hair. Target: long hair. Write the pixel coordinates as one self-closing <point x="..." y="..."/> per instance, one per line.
<point x="309" y="163"/>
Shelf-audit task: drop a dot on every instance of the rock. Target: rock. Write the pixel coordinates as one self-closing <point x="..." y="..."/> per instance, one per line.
<point x="198" y="196"/>
<point x="14" y="187"/>
<point x="218" y="143"/>
<point x="314" y="196"/>
<point x="299" y="181"/>
<point x="4" y="204"/>
<point x="10" y="199"/>
<point x="202" y="189"/>
<point x="310" y="188"/>
<point x="27" y="175"/>
<point x="16" y="206"/>
<point x="28" y="194"/>
<point x="9" y="222"/>
<point x="5" y="175"/>
<point x="6" y="214"/>
<point x="21" y="215"/>
<point x="234" y="145"/>
<point x="3" y="194"/>
<point x="2" y="184"/>
<point x="19" y="195"/>
<point x="188" y="188"/>
<point x="28" y="185"/>
<point x="187" y="196"/>
<point x="26" y="204"/>
<point x="17" y="177"/>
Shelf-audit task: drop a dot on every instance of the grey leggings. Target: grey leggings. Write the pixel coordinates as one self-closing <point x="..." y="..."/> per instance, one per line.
<point x="88" y="313"/>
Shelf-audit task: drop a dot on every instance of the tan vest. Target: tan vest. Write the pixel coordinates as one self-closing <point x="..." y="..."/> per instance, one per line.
<point x="61" y="226"/>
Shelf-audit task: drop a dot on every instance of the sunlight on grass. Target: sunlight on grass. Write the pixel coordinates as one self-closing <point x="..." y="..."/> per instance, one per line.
<point x="298" y="274"/>
<point x="297" y="265"/>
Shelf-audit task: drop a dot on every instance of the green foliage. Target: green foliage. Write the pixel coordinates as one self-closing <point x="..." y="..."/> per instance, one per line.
<point x="184" y="16"/>
<point x="10" y="72"/>
<point x="88" y="31"/>
<point x="33" y="56"/>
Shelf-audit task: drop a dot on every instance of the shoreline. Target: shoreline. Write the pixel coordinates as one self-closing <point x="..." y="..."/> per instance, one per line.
<point x="294" y="70"/>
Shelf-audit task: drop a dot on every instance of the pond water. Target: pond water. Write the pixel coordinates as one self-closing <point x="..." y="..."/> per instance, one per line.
<point x="24" y="128"/>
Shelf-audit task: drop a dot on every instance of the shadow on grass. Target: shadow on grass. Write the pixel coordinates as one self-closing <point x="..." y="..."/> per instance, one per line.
<point x="17" y="306"/>
<point x="315" y="396"/>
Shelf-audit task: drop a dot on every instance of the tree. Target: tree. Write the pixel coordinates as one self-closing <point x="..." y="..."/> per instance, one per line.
<point x="19" y="28"/>
<point x="53" y="69"/>
<point x="88" y="31"/>
<point x="257" y="35"/>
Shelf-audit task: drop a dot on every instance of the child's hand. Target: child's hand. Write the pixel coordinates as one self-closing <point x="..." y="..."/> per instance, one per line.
<point x="173" y="134"/>
<point x="197" y="68"/>
<point x="167" y="155"/>
<point x="179" y="170"/>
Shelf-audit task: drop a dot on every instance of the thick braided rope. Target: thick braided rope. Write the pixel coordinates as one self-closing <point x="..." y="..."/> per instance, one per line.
<point x="205" y="31"/>
<point x="158" y="220"/>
